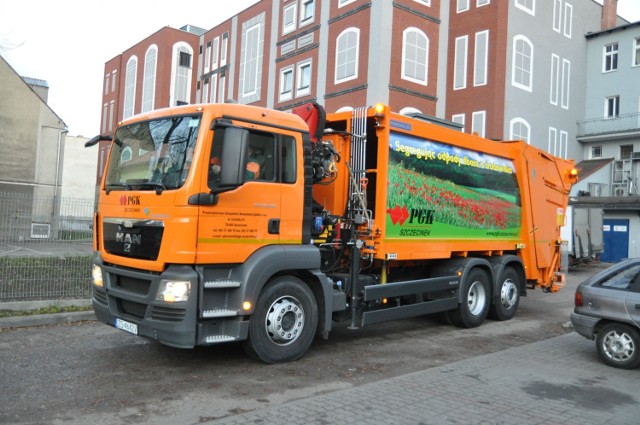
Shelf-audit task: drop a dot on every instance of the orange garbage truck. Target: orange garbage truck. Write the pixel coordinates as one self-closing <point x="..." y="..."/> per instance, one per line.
<point x="224" y="222"/>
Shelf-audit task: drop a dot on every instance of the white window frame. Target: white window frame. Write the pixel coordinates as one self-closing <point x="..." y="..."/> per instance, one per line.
<point x="481" y="59"/>
<point x="342" y="3"/>
<point x="564" y="144"/>
<point x="517" y="135"/>
<point x="304" y="6"/>
<point x="149" y="79"/>
<point x="221" y="89"/>
<point x="568" y="20"/>
<point x="635" y="57"/>
<point x="286" y="94"/>
<point x="553" y="140"/>
<point x="523" y="5"/>
<point x="107" y="80"/>
<point x="355" y="49"/>
<point x="303" y="88"/>
<point x="460" y="63"/>
<point x="557" y="15"/>
<point x="214" y="53"/>
<point x="462" y="5"/>
<point x="591" y="152"/>
<point x="566" y="83"/>
<point x="515" y="66"/>
<point x="609" y="103"/>
<point x="404" y="76"/>
<point x="481" y="3"/>
<point x="479" y="119"/>
<point x="114" y="78"/>
<point x="554" y="91"/>
<point x="612" y="54"/>
<point x="223" y="49"/>
<point x="289" y="18"/>
<point x="213" y="87"/>
<point x="130" y="87"/>
<point x="424" y="2"/>
<point x="112" y="108"/>
<point x="460" y="119"/>
<point x="105" y="110"/>
<point x="207" y="57"/>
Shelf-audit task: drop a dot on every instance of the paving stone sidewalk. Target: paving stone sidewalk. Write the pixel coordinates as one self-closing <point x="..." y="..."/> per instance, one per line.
<point x="555" y="381"/>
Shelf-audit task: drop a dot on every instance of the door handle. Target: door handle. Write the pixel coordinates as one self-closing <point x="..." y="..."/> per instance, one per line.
<point x="274" y="226"/>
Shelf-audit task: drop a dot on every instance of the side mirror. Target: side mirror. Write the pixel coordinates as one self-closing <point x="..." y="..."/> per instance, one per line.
<point x="95" y="140"/>
<point x="234" y="146"/>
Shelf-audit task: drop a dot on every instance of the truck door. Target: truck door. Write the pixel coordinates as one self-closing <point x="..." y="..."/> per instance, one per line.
<point x="262" y="210"/>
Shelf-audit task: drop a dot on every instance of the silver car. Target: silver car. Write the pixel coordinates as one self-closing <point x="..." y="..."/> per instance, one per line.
<point x="607" y="309"/>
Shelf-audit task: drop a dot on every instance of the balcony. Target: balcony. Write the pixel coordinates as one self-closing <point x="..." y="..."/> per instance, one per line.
<point x="622" y="126"/>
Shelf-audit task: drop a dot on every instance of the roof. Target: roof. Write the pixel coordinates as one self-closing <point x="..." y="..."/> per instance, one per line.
<point x="611" y="30"/>
<point x="193" y="29"/>
<point x="587" y="167"/>
<point x="35" y="82"/>
<point x="628" y="203"/>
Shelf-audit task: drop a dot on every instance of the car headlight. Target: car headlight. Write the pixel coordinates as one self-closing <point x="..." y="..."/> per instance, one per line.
<point x="173" y="291"/>
<point x="96" y="276"/>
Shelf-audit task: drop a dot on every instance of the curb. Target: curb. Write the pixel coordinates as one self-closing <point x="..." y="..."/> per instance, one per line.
<point x="46" y="319"/>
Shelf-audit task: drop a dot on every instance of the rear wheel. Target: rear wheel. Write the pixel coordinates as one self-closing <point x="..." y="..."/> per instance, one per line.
<point x="505" y="303"/>
<point x="284" y="321"/>
<point x="618" y="345"/>
<point x="476" y="299"/>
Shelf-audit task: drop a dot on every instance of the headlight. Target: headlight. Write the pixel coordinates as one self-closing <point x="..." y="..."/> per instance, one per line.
<point x="172" y="291"/>
<point x="96" y="276"/>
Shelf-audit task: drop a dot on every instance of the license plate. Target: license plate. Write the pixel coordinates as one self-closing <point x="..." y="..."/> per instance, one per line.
<point x="127" y="326"/>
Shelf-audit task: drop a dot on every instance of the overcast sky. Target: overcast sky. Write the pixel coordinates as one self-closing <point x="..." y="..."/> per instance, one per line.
<point x="67" y="42"/>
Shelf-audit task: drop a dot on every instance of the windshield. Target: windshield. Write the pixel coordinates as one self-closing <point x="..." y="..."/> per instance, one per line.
<point x="153" y="155"/>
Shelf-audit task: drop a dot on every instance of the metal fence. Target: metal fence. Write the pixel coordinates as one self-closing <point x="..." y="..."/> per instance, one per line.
<point x="45" y="247"/>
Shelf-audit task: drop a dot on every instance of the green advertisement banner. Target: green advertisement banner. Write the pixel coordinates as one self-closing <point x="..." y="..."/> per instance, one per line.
<point x="439" y="191"/>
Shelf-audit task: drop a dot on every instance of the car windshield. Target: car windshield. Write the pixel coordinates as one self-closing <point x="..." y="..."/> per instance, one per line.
<point x="153" y="155"/>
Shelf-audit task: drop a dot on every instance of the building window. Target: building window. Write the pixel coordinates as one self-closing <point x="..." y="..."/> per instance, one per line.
<point x="481" y="59"/>
<point x="596" y="152"/>
<point x="149" y="81"/>
<point x="347" y="55"/>
<point x="626" y="151"/>
<point x="612" y="107"/>
<point x="214" y="53"/>
<point x="459" y="119"/>
<point x="213" y="88"/>
<point x="557" y="15"/>
<point x="522" y="67"/>
<point x="250" y="81"/>
<point x="460" y="63"/>
<point x="424" y="2"/>
<point x="610" y="62"/>
<point x="105" y="109"/>
<point x="222" y="88"/>
<point x="303" y="87"/>
<point x="415" y="51"/>
<point x="181" y="87"/>
<point x="207" y="57"/>
<point x="112" y="108"/>
<point x="130" y="87"/>
<point x="528" y="6"/>
<point x="568" y="19"/>
<point x="344" y="2"/>
<point x="520" y="130"/>
<point x="307" y="12"/>
<point x="564" y="144"/>
<point x="478" y="120"/>
<point x="480" y="3"/>
<point x="113" y="80"/>
<point x="185" y="59"/>
<point x="553" y="140"/>
<point x="106" y="83"/>
<point x="555" y="80"/>
<point x="566" y="83"/>
<point x="462" y="6"/>
<point x="223" y="49"/>
<point x="636" y="52"/>
<point x="286" y="84"/>
<point x="289" y="18"/>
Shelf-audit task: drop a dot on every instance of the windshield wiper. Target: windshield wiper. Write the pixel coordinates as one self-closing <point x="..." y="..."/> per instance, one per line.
<point x="110" y="186"/>
<point x="159" y="187"/>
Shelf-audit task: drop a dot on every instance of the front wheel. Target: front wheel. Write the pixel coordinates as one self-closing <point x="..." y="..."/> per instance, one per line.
<point x="475" y="301"/>
<point x="284" y="321"/>
<point x="505" y="303"/>
<point x="618" y="345"/>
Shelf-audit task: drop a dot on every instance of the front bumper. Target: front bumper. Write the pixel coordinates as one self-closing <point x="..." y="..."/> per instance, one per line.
<point x="584" y="325"/>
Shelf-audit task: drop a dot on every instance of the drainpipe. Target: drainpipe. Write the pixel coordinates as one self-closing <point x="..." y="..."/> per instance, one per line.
<point x="56" y="210"/>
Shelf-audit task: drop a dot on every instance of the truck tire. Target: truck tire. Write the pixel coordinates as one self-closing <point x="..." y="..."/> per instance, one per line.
<point x="618" y="345"/>
<point x="284" y="321"/>
<point x="507" y="298"/>
<point x="476" y="298"/>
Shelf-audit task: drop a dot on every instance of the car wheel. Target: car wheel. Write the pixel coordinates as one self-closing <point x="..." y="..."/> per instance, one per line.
<point x="284" y="321"/>
<point x="618" y="345"/>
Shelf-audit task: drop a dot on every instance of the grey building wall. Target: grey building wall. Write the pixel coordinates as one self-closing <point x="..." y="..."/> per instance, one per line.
<point x="535" y="106"/>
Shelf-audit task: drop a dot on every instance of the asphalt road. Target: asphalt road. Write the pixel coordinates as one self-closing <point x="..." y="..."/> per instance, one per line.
<point x="86" y="372"/>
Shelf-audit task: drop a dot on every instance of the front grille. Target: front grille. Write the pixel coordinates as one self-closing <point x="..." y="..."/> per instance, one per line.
<point x="99" y="297"/>
<point x="141" y="239"/>
<point x="168" y="314"/>
<point x="130" y="284"/>
<point x="132" y="308"/>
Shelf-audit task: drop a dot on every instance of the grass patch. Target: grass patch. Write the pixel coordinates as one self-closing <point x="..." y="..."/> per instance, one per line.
<point x="52" y="309"/>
